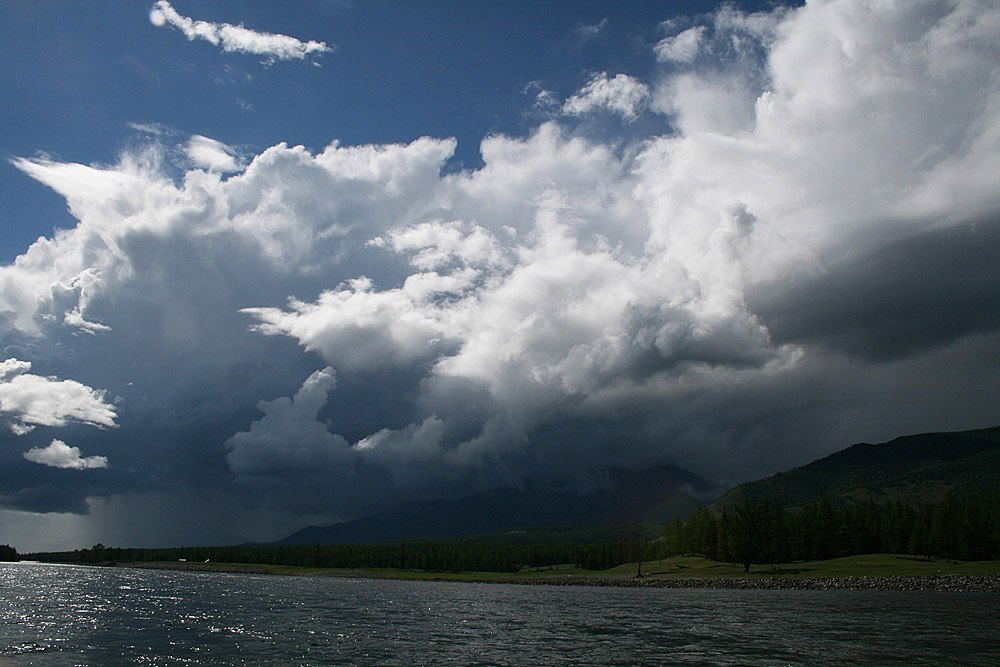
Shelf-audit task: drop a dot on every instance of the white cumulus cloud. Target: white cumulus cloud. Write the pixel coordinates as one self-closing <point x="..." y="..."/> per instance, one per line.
<point x="211" y="154"/>
<point x="623" y="95"/>
<point x="60" y="455"/>
<point x="28" y="400"/>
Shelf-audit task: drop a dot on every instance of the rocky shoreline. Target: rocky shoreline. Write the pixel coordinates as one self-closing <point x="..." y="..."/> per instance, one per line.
<point x="947" y="582"/>
<point x="950" y="582"/>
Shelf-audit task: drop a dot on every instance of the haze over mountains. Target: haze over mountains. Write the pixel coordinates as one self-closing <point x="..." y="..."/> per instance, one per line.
<point x="655" y="495"/>
<point x="913" y="469"/>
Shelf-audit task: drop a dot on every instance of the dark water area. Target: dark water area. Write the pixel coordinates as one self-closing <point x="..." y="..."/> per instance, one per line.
<point x="65" y="615"/>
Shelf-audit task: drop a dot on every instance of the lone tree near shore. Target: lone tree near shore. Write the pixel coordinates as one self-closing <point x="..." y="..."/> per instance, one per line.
<point x="757" y="533"/>
<point x="8" y="554"/>
<point x="746" y="533"/>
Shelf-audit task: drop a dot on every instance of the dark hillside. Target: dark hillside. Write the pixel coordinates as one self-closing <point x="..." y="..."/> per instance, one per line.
<point x="913" y="469"/>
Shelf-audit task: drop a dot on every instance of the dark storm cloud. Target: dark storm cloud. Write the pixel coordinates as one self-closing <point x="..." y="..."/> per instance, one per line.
<point x="892" y="301"/>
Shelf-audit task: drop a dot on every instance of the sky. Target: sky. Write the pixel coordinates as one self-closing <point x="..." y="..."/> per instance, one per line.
<point x="268" y="265"/>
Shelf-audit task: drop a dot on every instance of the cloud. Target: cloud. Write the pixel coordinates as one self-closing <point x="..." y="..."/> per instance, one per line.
<point x="586" y="32"/>
<point x="11" y="368"/>
<point x="797" y="256"/>
<point x="154" y="129"/>
<point x="358" y="327"/>
<point x="60" y="455"/>
<point x="27" y="400"/>
<point x="880" y="305"/>
<point x="547" y="102"/>
<point x="681" y="48"/>
<point x="211" y="154"/>
<point x="289" y="438"/>
<point x="439" y="244"/>
<point x="236" y="38"/>
<point x="623" y="95"/>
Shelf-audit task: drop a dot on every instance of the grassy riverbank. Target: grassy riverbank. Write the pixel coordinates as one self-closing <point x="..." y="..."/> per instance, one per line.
<point x="869" y="571"/>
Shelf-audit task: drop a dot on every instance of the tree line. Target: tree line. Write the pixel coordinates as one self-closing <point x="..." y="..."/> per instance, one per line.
<point x="765" y="532"/>
<point x="429" y="556"/>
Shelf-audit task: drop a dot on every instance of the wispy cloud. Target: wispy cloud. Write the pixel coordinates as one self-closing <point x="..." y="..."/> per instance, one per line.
<point x="236" y="38"/>
<point x="153" y="129"/>
<point x="585" y="31"/>
<point x="682" y="48"/>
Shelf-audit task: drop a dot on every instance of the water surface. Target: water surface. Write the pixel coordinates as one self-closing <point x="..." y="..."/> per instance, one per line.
<point x="66" y="615"/>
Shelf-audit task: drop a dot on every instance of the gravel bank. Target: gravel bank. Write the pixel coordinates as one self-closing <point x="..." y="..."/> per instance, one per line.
<point x="947" y="582"/>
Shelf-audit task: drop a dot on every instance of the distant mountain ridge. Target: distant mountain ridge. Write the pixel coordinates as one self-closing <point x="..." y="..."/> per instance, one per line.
<point x="913" y="469"/>
<point x="652" y="496"/>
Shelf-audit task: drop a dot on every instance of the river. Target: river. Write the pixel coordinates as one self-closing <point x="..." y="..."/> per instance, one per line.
<point x="59" y="615"/>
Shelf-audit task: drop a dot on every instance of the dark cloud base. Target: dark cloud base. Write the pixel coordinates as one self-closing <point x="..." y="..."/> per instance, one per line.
<point x="895" y="300"/>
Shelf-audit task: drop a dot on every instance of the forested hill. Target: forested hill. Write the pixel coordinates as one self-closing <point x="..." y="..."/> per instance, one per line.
<point x="914" y="469"/>
<point x="655" y="495"/>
